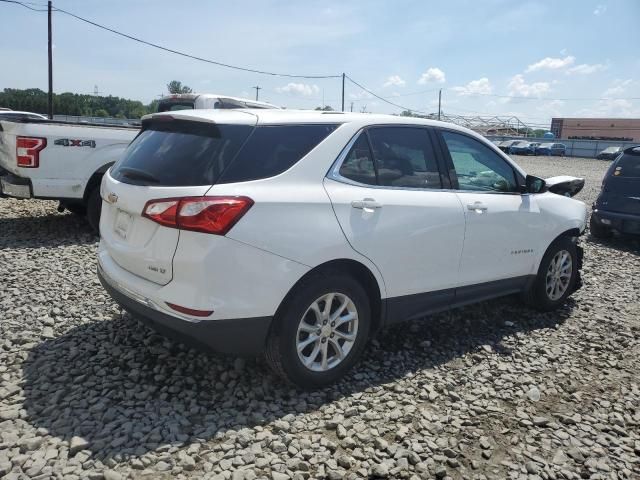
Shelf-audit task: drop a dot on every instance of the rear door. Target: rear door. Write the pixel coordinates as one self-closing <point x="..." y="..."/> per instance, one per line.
<point x="621" y="190"/>
<point x="170" y="158"/>
<point x="386" y="193"/>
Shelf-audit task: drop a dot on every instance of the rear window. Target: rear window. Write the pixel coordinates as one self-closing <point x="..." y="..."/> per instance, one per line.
<point x="272" y="149"/>
<point x="628" y="165"/>
<point x="180" y="153"/>
<point x="185" y="153"/>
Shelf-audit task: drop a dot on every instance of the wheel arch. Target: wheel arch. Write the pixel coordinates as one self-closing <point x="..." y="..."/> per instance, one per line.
<point x="95" y="179"/>
<point x="569" y="233"/>
<point x="355" y="269"/>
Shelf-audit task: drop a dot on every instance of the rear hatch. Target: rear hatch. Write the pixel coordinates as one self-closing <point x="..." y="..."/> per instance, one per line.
<point x="621" y="187"/>
<point x="177" y="155"/>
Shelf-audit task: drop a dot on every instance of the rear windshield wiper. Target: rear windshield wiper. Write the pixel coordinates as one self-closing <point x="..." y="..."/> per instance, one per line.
<point x="137" y="174"/>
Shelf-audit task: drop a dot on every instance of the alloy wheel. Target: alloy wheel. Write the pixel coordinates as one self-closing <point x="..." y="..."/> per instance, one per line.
<point x="558" y="275"/>
<point x="327" y="332"/>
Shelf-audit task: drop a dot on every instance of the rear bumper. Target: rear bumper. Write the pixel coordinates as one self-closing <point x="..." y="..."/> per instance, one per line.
<point x="240" y="336"/>
<point x="14" y="186"/>
<point x="622" y="222"/>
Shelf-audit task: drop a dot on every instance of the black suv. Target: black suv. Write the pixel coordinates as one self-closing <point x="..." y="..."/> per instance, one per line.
<point x="618" y="205"/>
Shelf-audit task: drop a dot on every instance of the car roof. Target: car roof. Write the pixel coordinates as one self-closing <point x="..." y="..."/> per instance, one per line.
<point x="278" y="117"/>
<point x="193" y="96"/>
<point x="18" y="112"/>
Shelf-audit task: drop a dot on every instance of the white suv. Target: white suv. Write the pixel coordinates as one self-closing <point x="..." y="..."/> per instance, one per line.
<point x="300" y="234"/>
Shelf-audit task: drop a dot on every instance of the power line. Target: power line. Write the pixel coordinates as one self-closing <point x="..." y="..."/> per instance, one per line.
<point x="23" y="4"/>
<point x="382" y="98"/>
<point x="194" y="57"/>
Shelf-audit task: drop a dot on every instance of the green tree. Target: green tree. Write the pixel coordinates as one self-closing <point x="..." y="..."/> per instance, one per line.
<point x="175" y="86"/>
<point x="101" y="112"/>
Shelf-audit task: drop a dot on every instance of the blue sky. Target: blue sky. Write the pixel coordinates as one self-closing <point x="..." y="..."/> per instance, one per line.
<point x="533" y="59"/>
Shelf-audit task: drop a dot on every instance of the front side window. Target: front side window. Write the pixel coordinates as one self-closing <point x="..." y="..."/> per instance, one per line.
<point x="477" y="166"/>
<point x="404" y="157"/>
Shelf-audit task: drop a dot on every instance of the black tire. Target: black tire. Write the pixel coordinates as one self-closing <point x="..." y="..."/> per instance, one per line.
<point x="598" y="230"/>
<point x="281" y="352"/>
<point x="94" y="207"/>
<point x="76" y="208"/>
<point x="536" y="296"/>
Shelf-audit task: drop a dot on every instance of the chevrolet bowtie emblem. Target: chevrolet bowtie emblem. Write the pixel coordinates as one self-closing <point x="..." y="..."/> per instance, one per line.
<point x="112" y="198"/>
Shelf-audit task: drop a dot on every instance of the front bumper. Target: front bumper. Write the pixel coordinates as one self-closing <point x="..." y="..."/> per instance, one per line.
<point x="622" y="222"/>
<point x="240" y="336"/>
<point x="13" y="186"/>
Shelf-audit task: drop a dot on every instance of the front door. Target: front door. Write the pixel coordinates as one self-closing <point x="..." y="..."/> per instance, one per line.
<point x="501" y="223"/>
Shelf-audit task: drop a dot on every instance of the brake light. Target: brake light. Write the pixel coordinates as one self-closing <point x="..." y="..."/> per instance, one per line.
<point x="214" y="215"/>
<point x="28" y="151"/>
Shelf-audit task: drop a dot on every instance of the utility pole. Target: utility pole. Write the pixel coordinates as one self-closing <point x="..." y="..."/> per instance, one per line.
<point x="257" y="90"/>
<point x="352" y="106"/>
<point x="343" y="75"/>
<point x="50" y="103"/>
<point x="439" y="103"/>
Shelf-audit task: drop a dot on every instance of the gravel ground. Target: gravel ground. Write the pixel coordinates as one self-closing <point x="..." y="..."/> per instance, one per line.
<point x="491" y="391"/>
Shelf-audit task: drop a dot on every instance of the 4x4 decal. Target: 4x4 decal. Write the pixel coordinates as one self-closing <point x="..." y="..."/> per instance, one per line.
<point x="66" y="142"/>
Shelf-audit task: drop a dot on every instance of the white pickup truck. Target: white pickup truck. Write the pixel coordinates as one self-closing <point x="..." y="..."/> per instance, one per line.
<point x="59" y="161"/>
<point x="63" y="161"/>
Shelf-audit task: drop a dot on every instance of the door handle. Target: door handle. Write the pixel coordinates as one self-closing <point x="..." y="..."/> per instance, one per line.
<point x="367" y="204"/>
<point x="477" y="207"/>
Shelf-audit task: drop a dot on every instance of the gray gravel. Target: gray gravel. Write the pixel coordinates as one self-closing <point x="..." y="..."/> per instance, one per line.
<point x="490" y="391"/>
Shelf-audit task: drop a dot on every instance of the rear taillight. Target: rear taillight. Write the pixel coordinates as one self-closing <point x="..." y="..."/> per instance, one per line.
<point x="214" y="215"/>
<point x="28" y="151"/>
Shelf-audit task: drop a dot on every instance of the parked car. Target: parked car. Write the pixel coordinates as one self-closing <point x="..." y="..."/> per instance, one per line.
<point x="48" y="159"/>
<point x="609" y="153"/>
<point x="300" y="234"/>
<point x="617" y="208"/>
<point x="535" y="146"/>
<point x="522" y="148"/>
<point x="506" y="145"/>
<point x="558" y="149"/>
<point x="18" y="115"/>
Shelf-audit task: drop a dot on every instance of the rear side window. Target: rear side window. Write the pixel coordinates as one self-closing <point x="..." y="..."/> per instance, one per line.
<point x="180" y="153"/>
<point x="628" y="165"/>
<point x="404" y="157"/>
<point x="272" y="149"/>
<point x="358" y="164"/>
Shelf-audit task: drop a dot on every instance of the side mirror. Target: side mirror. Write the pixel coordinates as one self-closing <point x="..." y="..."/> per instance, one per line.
<point x="534" y="185"/>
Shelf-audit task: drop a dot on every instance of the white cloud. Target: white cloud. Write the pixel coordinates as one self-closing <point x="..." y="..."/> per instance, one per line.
<point x="618" y="87"/>
<point x="362" y="95"/>
<point x="481" y="86"/>
<point x="303" y="89"/>
<point x="586" y="69"/>
<point x="433" y="74"/>
<point x="519" y="88"/>
<point x="395" y="80"/>
<point x="600" y="9"/>
<point x="549" y="63"/>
